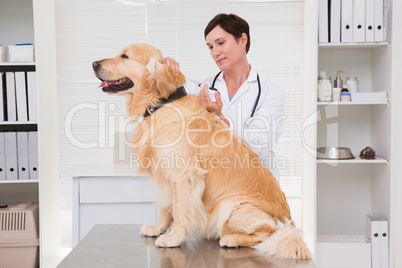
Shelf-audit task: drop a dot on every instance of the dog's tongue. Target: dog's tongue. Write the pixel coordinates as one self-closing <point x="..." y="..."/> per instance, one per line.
<point x="105" y="84"/>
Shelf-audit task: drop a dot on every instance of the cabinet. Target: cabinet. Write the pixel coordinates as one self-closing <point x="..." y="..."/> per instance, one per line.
<point x="110" y="194"/>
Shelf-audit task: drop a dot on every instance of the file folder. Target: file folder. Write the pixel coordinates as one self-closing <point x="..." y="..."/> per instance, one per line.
<point x="369" y="20"/>
<point x="2" y="158"/>
<point x="2" y="96"/>
<point x="373" y="233"/>
<point x="32" y="97"/>
<point x="11" y="106"/>
<point x="21" y="93"/>
<point x="33" y="155"/>
<point x="23" y="164"/>
<point x="10" y="142"/>
<point x="359" y="20"/>
<point x="378" y="20"/>
<point x="347" y="21"/>
<point x="323" y="26"/>
<point x="335" y="21"/>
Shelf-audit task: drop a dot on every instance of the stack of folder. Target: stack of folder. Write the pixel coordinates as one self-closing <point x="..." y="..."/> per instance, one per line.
<point x="19" y="155"/>
<point x="18" y="97"/>
<point x="377" y="232"/>
<point x="351" y="21"/>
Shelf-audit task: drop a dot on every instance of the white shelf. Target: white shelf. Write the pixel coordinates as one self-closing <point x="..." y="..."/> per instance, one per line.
<point x="334" y="46"/>
<point x="17" y="63"/>
<point x="6" y="123"/>
<point x="18" y="181"/>
<point x="357" y="160"/>
<point x="349" y="103"/>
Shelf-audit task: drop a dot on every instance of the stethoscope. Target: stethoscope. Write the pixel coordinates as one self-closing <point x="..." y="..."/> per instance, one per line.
<point x="248" y="121"/>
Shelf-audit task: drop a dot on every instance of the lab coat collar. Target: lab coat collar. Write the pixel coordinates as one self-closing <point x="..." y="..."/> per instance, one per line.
<point x="252" y="77"/>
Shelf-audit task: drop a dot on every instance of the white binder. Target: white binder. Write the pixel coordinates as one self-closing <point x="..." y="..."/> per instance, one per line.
<point x="33" y="155"/>
<point x="323" y="35"/>
<point x="335" y="24"/>
<point x="32" y="97"/>
<point x="11" y="107"/>
<point x="384" y="237"/>
<point x="373" y="233"/>
<point x="369" y="20"/>
<point x="359" y="20"/>
<point x="378" y="20"/>
<point x="2" y="157"/>
<point x="347" y="21"/>
<point x="21" y="93"/>
<point x="1" y="98"/>
<point x="10" y="142"/>
<point x="23" y="164"/>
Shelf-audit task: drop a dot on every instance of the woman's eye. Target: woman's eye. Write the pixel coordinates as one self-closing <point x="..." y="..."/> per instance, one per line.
<point x="209" y="48"/>
<point x="124" y="56"/>
<point x="221" y="43"/>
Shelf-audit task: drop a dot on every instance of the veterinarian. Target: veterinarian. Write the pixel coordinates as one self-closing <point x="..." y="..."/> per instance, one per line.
<point x="248" y="102"/>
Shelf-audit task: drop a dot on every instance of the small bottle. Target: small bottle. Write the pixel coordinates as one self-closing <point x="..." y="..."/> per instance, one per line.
<point x="353" y="84"/>
<point x="338" y="82"/>
<point x="345" y="94"/>
<point x="324" y="87"/>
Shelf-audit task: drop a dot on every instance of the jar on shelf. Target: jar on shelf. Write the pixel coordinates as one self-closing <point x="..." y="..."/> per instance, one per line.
<point x="324" y="87"/>
<point x="353" y="84"/>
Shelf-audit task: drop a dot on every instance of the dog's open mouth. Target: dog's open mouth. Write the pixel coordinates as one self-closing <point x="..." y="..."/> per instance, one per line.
<point x="121" y="84"/>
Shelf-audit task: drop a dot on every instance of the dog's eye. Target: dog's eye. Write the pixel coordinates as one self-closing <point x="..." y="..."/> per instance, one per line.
<point x="124" y="56"/>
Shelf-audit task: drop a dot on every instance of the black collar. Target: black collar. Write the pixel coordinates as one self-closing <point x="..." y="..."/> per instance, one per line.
<point x="179" y="93"/>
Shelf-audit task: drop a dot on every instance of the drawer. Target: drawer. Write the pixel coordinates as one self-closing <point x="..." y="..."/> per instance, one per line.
<point x="116" y="189"/>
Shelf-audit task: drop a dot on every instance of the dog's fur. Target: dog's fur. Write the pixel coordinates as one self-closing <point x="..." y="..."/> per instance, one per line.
<point x="220" y="188"/>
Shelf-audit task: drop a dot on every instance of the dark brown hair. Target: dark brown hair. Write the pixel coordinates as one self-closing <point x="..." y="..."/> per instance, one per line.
<point x="232" y="24"/>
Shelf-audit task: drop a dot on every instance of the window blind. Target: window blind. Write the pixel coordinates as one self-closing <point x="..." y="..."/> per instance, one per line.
<point x="93" y="29"/>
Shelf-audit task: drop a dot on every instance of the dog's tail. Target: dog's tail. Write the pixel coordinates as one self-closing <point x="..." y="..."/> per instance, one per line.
<point x="286" y="242"/>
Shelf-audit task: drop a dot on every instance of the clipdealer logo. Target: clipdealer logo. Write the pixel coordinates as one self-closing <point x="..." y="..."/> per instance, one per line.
<point x="111" y="124"/>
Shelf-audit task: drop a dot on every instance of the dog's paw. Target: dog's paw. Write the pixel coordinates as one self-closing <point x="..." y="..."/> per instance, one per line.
<point x="229" y="241"/>
<point x="168" y="241"/>
<point x="150" y="230"/>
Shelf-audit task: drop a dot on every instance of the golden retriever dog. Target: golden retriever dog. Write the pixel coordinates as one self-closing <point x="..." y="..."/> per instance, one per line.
<point x="210" y="182"/>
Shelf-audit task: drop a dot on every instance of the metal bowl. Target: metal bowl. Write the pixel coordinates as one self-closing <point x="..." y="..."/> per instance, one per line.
<point x="334" y="153"/>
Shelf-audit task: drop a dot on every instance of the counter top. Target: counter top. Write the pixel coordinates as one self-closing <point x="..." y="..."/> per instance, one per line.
<point x="120" y="245"/>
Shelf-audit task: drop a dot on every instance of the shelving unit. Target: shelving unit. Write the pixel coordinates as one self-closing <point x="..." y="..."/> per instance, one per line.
<point x="346" y="190"/>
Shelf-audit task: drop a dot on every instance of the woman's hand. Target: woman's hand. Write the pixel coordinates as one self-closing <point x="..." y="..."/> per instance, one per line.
<point x="212" y="107"/>
<point x="173" y="64"/>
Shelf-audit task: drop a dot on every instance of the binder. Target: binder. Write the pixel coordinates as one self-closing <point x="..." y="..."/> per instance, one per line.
<point x="1" y="97"/>
<point x="32" y="97"/>
<point x="369" y="20"/>
<point x="384" y="237"/>
<point x="335" y="21"/>
<point x="33" y="155"/>
<point x="10" y="142"/>
<point x="21" y="94"/>
<point x="373" y="233"/>
<point x="11" y="106"/>
<point x="359" y="20"/>
<point x="323" y="26"/>
<point x="347" y="21"/>
<point x="23" y="164"/>
<point x="378" y="20"/>
<point x="2" y="157"/>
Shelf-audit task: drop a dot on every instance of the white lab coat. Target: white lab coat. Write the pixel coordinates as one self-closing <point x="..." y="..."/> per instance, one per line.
<point x="267" y="124"/>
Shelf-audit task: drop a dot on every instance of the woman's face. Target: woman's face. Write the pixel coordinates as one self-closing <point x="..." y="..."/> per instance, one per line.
<point x="225" y="50"/>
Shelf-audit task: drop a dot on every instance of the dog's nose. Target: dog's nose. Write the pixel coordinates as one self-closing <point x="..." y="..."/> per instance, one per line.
<point x="95" y="65"/>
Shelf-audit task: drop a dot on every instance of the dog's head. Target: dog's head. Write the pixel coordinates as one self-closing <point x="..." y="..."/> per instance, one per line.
<point x="140" y="73"/>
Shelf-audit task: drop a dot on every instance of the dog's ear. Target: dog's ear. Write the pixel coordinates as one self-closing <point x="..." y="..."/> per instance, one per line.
<point x="160" y="77"/>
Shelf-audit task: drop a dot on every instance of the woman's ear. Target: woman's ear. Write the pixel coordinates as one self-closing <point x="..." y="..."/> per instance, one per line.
<point x="162" y="79"/>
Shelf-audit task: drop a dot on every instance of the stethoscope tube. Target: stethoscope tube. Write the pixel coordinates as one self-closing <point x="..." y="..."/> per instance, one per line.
<point x="247" y="122"/>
